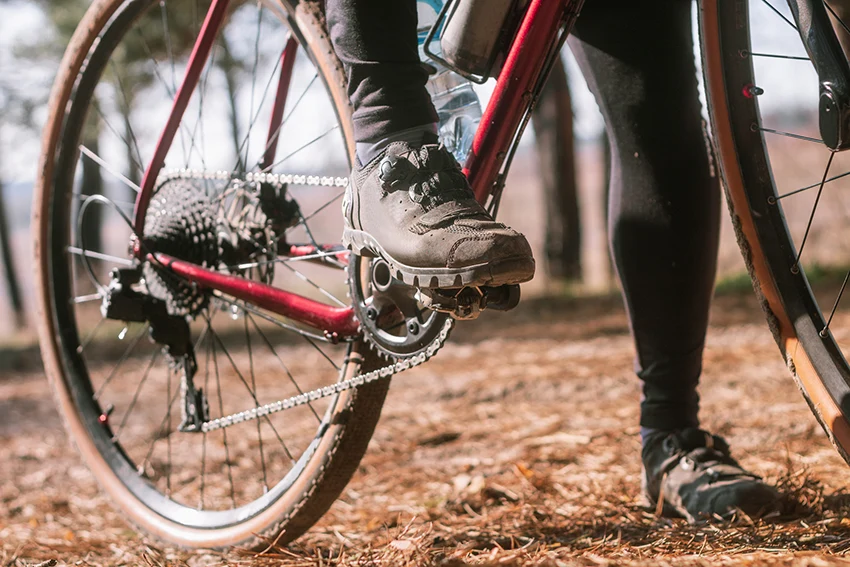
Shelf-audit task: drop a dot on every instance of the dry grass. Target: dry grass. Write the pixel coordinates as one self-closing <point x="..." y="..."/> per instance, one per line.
<point x="515" y="449"/>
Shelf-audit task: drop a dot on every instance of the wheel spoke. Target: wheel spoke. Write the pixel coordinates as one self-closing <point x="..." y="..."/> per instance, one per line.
<point x="307" y="258"/>
<point x="835" y="305"/>
<point x="101" y="256"/>
<point x="97" y="159"/>
<point x="90" y="337"/>
<point x="246" y="307"/>
<point x="812" y="186"/>
<point x="254" y="118"/>
<point x="198" y="129"/>
<point x="171" y="92"/>
<point x="127" y="352"/>
<point x="777" y="56"/>
<point x="169" y="373"/>
<point x="135" y="399"/>
<point x="309" y="217"/>
<point x="203" y="475"/>
<point x="250" y="392"/>
<point x="221" y="411"/>
<point x="132" y="141"/>
<point x="840" y="21"/>
<point x="282" y="364"/>
<point x="256" y="403"/>
<point x="160" y="430"/>
<point x="792" y="135"/>
<point x="257" y="36"/>
<point x="780" y="14"/>
<point x="126" y="204"/>
<point x="169" y="51"/>
<point x="304" y="147"/>
<point x="796" y="265"/>
<point x="319" y="288"/>
<point x="274" y="138"/>
<point x="87" y="298"/>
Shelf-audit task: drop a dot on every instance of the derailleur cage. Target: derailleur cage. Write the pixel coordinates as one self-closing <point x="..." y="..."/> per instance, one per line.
<point x="123" y="303"/>
<point x="195" y="407"/>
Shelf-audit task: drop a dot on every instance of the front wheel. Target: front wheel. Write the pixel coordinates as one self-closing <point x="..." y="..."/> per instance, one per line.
<point x="784" y="192"/>
<point x="120" y="397"/>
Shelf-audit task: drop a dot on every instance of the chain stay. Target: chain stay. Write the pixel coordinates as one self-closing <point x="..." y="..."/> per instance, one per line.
<point x="334" y="389"/>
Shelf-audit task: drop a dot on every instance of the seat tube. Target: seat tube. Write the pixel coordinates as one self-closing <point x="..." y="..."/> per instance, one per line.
<point x="197" y="62"/>
<point x="515" y="89"/>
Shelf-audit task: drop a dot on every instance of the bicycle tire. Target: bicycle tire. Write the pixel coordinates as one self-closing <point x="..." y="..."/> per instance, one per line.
<point x="346" y="429"/>
<point x="795" y="319"/>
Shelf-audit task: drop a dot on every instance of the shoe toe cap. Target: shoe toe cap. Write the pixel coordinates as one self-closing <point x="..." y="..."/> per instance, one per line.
<point x="751" y="496"/>
<point x="476" y="249"/>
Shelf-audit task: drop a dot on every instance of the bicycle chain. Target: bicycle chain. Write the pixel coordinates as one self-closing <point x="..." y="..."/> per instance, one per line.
<point x="254" y="177"/>
<point x="334" y="389"/>
<point x="398" y="366"/>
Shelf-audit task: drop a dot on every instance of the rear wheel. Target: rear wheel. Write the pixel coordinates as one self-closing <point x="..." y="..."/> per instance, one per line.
<point x="784" y="190"/>
<point x="120" y="397"/>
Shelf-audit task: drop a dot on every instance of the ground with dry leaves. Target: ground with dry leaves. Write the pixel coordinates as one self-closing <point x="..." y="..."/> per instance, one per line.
<point x="518" y="447"/>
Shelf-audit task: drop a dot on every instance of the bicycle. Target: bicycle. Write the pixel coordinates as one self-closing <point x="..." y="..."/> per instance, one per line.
<point x="218" y="262"/>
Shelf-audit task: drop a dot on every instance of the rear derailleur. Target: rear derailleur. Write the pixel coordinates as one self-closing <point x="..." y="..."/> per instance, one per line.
<point x="123" y="301"/>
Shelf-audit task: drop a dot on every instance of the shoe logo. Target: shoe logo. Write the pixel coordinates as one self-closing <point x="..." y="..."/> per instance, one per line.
<point x="347" y="208"/>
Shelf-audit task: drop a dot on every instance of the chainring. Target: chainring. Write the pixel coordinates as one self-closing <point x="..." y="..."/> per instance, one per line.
<point x="393" y="321"/>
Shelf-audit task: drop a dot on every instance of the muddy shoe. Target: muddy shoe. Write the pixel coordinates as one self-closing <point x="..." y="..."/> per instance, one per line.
<point x="413" y="207"/>
<point x="693" y="475"/>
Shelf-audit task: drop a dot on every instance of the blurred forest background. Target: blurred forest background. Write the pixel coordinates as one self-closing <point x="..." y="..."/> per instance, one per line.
<point x="556" y="191"/>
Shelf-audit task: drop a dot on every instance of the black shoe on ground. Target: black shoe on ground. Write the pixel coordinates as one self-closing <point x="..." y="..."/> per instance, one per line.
<point x="694" y="476"/>
<point x="413" y="207"/>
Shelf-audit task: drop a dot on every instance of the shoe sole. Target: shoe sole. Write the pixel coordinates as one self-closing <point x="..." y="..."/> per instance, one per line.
<point x="508" y="271"/>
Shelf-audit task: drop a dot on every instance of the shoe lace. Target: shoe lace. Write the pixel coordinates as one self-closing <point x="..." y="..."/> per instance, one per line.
<point x="430" y="175"/>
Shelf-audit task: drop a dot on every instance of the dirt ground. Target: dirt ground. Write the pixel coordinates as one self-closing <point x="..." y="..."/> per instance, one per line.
<point x="517" y="446"/>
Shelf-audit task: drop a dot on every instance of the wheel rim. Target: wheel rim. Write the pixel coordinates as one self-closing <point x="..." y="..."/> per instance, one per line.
<point x="214" y="499"/>
<point x="779" y="214"/>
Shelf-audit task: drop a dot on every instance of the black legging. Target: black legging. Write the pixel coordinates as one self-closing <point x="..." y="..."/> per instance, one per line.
<point x="665" y="201"/>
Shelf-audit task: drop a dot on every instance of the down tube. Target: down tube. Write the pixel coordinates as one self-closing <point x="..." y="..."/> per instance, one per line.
<point x="514" y="92"/>
<point x="197" y="62"/>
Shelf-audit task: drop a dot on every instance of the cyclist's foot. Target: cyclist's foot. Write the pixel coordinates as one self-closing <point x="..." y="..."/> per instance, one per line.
<point x="413" y="207"/>
<point x="694" y="474"/>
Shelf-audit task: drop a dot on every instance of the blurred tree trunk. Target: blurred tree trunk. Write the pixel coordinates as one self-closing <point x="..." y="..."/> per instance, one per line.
<point x="92" y="184"/>
<point x="12" y="283"/>
<point x="230" y="67"/>
<point x="553" y="126"/>
<point x="134" y="173"/>
<point x="605" y="143"/>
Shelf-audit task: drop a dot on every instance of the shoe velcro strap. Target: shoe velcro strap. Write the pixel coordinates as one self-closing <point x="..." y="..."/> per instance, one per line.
<point x="451" y="211"/>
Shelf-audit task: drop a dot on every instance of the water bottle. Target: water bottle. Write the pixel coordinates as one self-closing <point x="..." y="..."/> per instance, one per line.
<point x="457" y="104"/>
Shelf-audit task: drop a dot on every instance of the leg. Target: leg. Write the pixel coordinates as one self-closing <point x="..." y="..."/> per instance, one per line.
<point x="664" y="226"/>
<point x="376" y="42"/>
<point x="411" y="204"/>
<point x="665" y="199"/>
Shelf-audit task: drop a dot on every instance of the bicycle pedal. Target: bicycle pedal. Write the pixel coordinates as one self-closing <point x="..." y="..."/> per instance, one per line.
<point x="467" y="303"/>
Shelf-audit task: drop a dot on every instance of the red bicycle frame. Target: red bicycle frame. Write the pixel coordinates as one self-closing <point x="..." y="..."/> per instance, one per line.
<point x="515" y="92"/>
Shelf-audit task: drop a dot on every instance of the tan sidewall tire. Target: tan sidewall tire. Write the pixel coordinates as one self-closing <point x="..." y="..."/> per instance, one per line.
<point x="341" y="448"/>
<point x="821" y="402"/>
